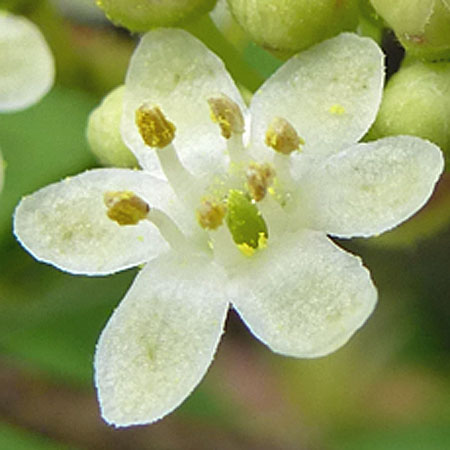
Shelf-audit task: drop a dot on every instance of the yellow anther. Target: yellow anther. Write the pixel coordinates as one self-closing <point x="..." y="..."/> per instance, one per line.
<point x="337" y="109"/>
<point x="259" y="179"/>
<point x="125" y="207"/>
<point x="154" y="128"/>
<point x="282" y="137"/>
<point x="227" y="114"/>
<point x="210" y="214"/>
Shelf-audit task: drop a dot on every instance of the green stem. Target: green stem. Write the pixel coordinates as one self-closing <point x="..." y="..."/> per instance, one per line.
<point x="205" y="30"/>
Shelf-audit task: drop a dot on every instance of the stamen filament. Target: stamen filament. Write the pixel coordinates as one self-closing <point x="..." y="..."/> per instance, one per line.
<point x="182" y="181"/>
<point x="235" y="147"/>
<point x="168" y="229"/>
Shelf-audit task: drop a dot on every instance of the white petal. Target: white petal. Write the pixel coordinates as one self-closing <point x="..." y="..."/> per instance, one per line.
<point x="371" y="188"/>
<point x="329" y="93"/>
<point x="304" y="297"/>
<point x="160" y="341"/>
<point x="173" y="70"/>
<point x="26" y="64"/>
<point x="65" y="224"/>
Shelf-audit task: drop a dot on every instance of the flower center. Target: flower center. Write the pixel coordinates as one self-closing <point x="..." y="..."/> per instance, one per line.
<point x="239" y="199"/>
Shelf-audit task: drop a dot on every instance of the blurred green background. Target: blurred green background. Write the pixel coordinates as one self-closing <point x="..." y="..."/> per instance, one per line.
<point x="387" y="389"/>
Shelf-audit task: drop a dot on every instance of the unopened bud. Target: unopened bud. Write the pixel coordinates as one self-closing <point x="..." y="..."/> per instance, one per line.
<point x="288" y="26"/>
<point x="142" y="15"/>
<point x="416" y="102"/>
<point x="103" y="132"/>
<point x="422" y="26"/>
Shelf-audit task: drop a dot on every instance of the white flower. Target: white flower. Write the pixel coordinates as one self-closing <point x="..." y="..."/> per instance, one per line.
<point x="26" y="63"/>
<point x="295" y="289"/>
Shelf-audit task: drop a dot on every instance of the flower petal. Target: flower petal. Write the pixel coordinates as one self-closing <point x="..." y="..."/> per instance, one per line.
<point x="330" y="94"/>
<point x="173" y="70"/>
<point x="65" y="224"/>
<point x="304" y="297"/>
<point x="160" y="341"/>
<point x="371" y="188"/>
<point x="26" y="64"/>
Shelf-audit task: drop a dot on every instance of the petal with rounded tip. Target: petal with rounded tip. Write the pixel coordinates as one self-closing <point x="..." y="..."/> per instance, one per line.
<point x="27" y="69"/>
<point x="174" y="71"/>
<point x="304" y="297"/>
<point x="329" y="93"/>
<point x="65" y="224"/>
<point x="371" y="187"/>
<point x="160" y="341"/>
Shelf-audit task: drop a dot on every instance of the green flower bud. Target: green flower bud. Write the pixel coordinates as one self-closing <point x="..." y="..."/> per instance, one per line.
<point x="103" y="132"/>
<point x="416" y="101"/>
<point x="422" y="26"/>
<point x="287" y="26"/>
<point x="141" y="15"/>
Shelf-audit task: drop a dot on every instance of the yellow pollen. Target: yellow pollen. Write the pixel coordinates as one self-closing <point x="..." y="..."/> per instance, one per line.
<point x="259" y="179"/>
<point x="227" y="114"/>
<point x="154" y="128"/>
<point x="210" y="214"/>
<point x="125" y="207"/>
<point x="337" y="109"/>
<point x="282" y="137"/>
<point x="248" y="251"/>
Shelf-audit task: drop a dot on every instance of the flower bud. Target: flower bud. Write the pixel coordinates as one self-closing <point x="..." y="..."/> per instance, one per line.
<point x="422" y="26"/>
<point x="287" y="26"/>
<point x="103" y="132"/>
<point x="416" y="101"/>
<point x="141" y="15"/>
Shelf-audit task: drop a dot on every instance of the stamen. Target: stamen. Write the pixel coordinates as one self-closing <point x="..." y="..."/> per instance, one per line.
<point x="227" y="114"/>
<point x="282" y="137"/>
<point x="169" y="230"/>
<point x="125" y="207"/>
<point x="210" y="214"/>
<point x="259" y="178"/>
<point x="153" y="126"/>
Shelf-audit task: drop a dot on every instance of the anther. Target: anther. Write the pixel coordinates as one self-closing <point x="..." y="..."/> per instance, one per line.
<point x="259" y="179"/>
<point x="153" y="126"/>
<point x="210" y="214"/>
<point x="125" y="207"/>
<point x="282" y="137"/>
<point x="227" y="114"/>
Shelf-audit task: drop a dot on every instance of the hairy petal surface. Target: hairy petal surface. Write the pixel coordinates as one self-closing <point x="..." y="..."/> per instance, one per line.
<point x="372" y="187"/>
<point x="160" y="341"/>
<point x="175" y="71"/>
<point x="304" y="297"/>
<point x="26" y="64"/>
<point x="329" y="93"/>
<point x="65" y="224"/>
